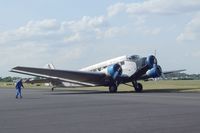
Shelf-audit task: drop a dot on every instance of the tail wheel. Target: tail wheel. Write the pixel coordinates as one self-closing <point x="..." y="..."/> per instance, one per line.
<point x="52" y="89"/>
<point x="138" y="87"/>
<point x="113" y="89"/>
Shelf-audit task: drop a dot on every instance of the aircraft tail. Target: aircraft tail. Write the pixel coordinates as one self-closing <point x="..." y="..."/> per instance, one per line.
<point x="49" y="66"/>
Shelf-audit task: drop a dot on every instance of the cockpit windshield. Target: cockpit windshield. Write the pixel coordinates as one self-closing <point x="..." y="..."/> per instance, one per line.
<point x="133" y="57"/>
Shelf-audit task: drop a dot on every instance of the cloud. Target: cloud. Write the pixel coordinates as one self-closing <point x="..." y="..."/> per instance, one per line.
<point x="48" y="40"/>
<point x="116" y="8"/>
<point x="91" y="28"/>
<point x="155" y="7"/>
<point x="111" y="32"/>
<point x="144" y="12"/>
<point x="85" y="29"/>
<point x="44" y="30"/>
<point x="100" y="27"/>
<point x="196" y="54"/>
<point x="73" y="38"/>
<point x="191" y="31"/>
<point x="87" y="23"/>
<point x="50" y="30"/>
<point x="133" y="27"/>
<point x="36" y="43"/>
<point x="144" y="30"/>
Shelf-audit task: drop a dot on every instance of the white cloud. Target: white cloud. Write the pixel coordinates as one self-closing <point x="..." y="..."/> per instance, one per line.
<point x="125" y="27"/>
<point x="87" y="23"/>
<point x="196" y="54"/>
<point x="98" y="27"/>
<point x="44" y="30"/>
<point x="191" y="31"/>
<point x="116" y="8"/>
<point x="154" y="31"/>
<point x="90" y="28"/>
<point x="72" y="38"/>
<point x="111" y="32"/>
<point x="86" y="28"/>
<point x="48" y="40"/>
<point x="50" y="30"/>
<point x="143" y="11"/>
<point x="40" y="26"/>
<point x="155" y="7"/>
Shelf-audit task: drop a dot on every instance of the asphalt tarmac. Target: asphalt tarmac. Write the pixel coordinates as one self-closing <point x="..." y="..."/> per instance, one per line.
<point x="43" y="111"/>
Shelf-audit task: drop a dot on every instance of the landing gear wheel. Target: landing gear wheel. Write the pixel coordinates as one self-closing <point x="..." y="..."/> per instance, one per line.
<point x="52" y="89"/>
<point x="138" y="87"/>
<point x="113" y="89"/>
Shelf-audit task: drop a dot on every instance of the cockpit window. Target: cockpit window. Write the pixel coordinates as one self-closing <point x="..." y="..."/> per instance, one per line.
<point x="134" y="57"/>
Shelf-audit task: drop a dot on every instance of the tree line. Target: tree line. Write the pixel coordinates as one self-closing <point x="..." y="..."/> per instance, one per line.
<point x="8" y="79"/>
<point x="183" y="76"/>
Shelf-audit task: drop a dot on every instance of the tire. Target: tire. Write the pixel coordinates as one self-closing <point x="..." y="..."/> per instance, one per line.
<point x="138" y="87"/>
<point x="113" y="89"/>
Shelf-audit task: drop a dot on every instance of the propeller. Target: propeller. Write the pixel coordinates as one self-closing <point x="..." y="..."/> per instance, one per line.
<point x="114" y="71"/>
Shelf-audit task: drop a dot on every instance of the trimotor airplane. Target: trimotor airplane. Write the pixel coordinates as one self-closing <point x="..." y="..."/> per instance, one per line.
<point x="111" y="73"/>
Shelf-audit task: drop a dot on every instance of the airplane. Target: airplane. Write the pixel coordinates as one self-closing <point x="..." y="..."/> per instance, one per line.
<point x="111" y="73"/>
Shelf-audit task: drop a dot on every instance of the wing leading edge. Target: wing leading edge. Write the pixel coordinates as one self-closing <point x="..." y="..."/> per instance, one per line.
<point x="175" y="71"/>
<point x="77" y="77"/>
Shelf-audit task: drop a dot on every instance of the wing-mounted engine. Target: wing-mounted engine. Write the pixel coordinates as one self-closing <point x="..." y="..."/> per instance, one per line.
<point x="154" y="72"/>
<point x="148" y="68"/>
<point x="114" y="71"/>
<point x="143" y="65"/>
<point x="151" y="61"/>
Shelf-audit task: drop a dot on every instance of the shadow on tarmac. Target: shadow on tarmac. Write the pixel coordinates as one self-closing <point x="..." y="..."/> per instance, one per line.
<point x="172" y="90"/>
<point x="78" y="92"/>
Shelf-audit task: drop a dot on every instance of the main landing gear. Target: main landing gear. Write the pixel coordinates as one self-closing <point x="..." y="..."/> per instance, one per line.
<point x="138" y="86"/>
<point x="113" y="88"/>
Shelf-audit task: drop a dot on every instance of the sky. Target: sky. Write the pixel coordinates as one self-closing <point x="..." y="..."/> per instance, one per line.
<point x="75" y="34"/>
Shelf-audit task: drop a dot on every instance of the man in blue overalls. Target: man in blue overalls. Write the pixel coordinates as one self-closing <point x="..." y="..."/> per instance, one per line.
<point x="19" y="86"/>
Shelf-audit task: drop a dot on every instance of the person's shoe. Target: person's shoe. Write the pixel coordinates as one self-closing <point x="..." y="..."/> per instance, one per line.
<point x="20" y="97"/>
<point x="16" y="97"/>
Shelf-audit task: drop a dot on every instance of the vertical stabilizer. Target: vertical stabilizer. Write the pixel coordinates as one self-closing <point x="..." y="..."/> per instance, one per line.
<point x="49" y="66"/>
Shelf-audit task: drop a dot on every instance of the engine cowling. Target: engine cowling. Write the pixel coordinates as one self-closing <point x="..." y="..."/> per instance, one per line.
<point x="150" y="61"/>
<point x="154" y="72"/>
<point x="114" y="71"/>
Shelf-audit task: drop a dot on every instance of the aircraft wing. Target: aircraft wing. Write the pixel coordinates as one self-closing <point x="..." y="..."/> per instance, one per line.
<point x="76" y="77"/>
<point x="146" y="77"/>
<point x="174" y="71"/>
<point x="33" y="81"/>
